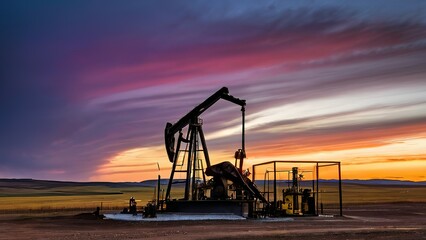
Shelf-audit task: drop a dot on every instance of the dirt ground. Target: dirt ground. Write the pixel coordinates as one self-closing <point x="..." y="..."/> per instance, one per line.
<point x="373" y="221"/>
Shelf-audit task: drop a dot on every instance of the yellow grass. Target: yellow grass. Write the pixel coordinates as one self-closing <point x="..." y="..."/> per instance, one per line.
<point x="90" y="197"/>
<point x="353" y="194"/>
<point x="81" y="197"/>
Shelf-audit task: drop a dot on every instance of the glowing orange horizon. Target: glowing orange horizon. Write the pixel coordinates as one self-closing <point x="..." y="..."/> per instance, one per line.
<point x="374" y="162"/>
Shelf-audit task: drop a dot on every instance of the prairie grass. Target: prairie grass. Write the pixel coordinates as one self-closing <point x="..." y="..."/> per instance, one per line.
<point x="72" y="198"/>
<point x="30" y="199"/>
<point x="359" y="194"/>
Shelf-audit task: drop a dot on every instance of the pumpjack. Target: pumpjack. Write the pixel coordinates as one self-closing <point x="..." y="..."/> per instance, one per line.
<point x="225" y="187"/>
<point x="228" y="190"/>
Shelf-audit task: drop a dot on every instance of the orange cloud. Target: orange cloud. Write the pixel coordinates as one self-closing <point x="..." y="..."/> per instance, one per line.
<point x="133" y="165"/>
<point x="335" y="140"/>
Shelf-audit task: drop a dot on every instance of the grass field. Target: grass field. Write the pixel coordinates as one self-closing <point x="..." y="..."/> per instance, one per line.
<point x="54" y="196"/>
<point x="354" y="193"/>
<point x="45" y="196"/>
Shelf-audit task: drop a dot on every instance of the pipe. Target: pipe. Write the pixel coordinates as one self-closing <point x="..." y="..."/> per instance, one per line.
<point x="243" y="145"/>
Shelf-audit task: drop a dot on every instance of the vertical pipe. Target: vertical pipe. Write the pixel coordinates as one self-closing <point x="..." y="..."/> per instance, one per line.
<point x="243" y="111"/>
<point x="158" y="190"/>
<point x="275" y="185"/>
<point x="253" y="170"/>
<point x="243" y="144"/>
<point x="317" y="173"/>
<point x="194" y="165"/>
<point x="267" y="173"/>
<point x="295" y="188"/>
<point x="313" y="183"/>
<point x="340" y="191"/>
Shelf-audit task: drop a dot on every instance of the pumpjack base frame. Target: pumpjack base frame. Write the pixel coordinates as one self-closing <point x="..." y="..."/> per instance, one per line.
<point x="238" y="207"/>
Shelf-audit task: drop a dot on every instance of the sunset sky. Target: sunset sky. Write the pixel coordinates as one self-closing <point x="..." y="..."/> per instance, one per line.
<point x="87" y="86"/>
